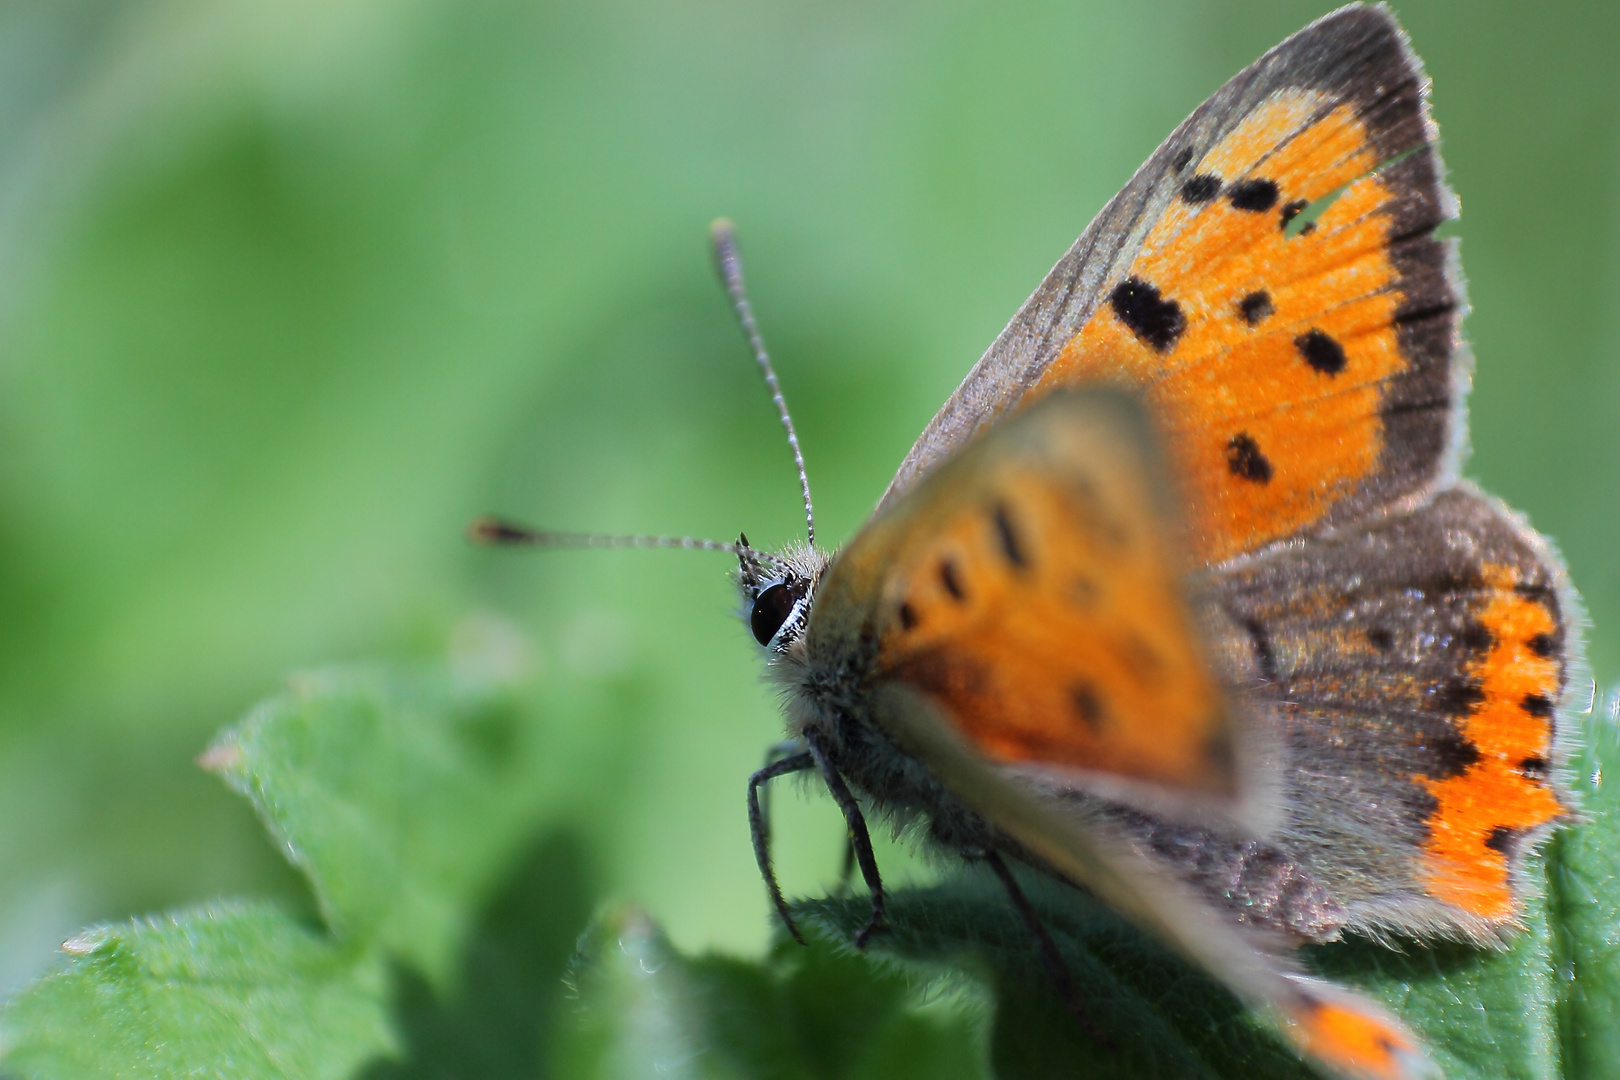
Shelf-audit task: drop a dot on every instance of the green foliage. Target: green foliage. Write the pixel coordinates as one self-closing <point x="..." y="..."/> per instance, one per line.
<point x="396" y="798"/>
<point x="406" y="800"/>
<point x="804" y="1014"/>
<point x="231" y="990"/>
<point x="408" y="803"/>
<point x="1584" y="866"/>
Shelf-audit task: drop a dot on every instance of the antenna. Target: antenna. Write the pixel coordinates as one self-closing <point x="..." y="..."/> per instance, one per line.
<point x="729" y="264"/>
<point x="498" y="532"/>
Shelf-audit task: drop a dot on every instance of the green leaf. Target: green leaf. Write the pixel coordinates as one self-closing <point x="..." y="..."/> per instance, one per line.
<point x="407" y="800"/>
<point x="644" y="1010"/>
<point x="235" y="991"/>
<point x="1166" y="1018"/>
<point x="1585" y="879"/>
<point x="500" y="1017"/>
<point x="398" y="796"/>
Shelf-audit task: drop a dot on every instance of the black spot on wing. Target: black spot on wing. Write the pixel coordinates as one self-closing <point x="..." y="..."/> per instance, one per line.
<point x="1256" y="307"/>
<point x="951" y="578"/>
<point x="1539" y="592"/>
<point x="1452" y="755"/>
<point x="1534" y="768"/>
<point x="1182" y="159"/>
<point x="1201" y="188"/>
<point x="1292" y="210"/>
<point x="1088" y="704"/>
<point x="1244" y="458"/>
<point x="1543" y="645"/>
<point x="1500" y="838"/>
<point x="1256" y="196"/>
<point x="1457" y="696"/>
<point x="1381" y="638"/>
<point x="1012" y="545"/>
<point x="1476" y="638"/>
<point x="1321" y="352"/>
<point x="1265" y="655"/>
<point x="908" y="617"/>
<point x="1156" y="321"/>
<point x="1538" y="705"/>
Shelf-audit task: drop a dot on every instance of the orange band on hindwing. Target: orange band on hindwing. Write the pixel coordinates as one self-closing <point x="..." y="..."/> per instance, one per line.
<point x="1514" y="691"/>
<point x="1262" y="349"/>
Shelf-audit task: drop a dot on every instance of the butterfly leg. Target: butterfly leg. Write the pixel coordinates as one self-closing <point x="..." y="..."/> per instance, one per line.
<point x="859" y="839"/>
<point x="759" y="827"/>
<point x="774" y="753"/>
<point x="1052" y="960"/>
<point x="787" y="748"/>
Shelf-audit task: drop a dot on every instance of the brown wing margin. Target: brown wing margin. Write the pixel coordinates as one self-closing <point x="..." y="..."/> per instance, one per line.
<point x="1357" y="56"/>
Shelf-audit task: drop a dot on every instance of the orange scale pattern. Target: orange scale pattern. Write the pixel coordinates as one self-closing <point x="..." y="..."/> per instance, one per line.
<point x="1512" y="723"/>
<point x="1316" y="433"/>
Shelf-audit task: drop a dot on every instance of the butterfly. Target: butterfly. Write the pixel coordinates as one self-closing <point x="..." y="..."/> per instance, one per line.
<point x="1180" y="597"/>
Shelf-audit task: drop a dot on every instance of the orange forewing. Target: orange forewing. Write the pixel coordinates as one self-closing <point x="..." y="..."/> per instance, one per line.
<point x="1031" y="586"/>
<point x="1263" y="436"/>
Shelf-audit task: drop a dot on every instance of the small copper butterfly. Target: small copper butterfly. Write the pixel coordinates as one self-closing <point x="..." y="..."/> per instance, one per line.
<point x="1180" y="597"/>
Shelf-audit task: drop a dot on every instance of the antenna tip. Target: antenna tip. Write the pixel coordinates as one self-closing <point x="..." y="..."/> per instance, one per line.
<point x="492" y="530"/>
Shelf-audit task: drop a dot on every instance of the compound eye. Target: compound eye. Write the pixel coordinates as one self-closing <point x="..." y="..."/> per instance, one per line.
<point x="771" y="609"/>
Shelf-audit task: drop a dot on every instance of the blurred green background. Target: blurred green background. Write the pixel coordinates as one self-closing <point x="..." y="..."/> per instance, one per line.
<point x="289" y="292"/>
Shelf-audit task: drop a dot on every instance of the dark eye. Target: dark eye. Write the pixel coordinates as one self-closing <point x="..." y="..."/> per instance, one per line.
<point x="771" y="609"/>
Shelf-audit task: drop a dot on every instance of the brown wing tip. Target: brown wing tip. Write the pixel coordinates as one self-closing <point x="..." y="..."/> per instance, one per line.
<point x="490" y="530"/>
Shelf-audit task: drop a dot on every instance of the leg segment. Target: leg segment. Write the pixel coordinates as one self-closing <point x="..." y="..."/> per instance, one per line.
<point x="1045" y="947"/>
<point x="860" y="841"/>
<point x="759" y="828"/>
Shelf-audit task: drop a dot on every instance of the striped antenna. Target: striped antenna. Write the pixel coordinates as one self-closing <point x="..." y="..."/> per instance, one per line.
<point x="498" y="532"/>
<point x="729" y="264"/>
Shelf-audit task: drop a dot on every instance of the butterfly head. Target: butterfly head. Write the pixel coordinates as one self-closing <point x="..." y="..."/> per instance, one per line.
<point x="777" y="591"/>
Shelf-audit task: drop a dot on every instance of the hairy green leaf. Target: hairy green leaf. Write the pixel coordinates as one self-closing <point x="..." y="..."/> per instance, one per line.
<point x="237" y="991"/>
<point x="643" y="1010"/>
<point x="1585" y="881"/>
<point x="406" y="800"/>
<point x="397" y="796"/>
